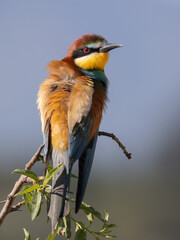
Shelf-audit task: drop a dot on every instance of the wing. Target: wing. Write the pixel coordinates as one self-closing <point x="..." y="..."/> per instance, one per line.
<point x="54" y="90"/>
<point x="79" y="120"/>
<point x="53" y="97"/>
<point x="83" y="138"/>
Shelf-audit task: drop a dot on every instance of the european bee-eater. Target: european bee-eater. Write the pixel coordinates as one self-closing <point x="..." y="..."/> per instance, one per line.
<point x="71" y="102"/>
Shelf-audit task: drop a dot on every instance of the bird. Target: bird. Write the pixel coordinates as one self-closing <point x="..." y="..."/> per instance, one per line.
<point x="71" y="102"/>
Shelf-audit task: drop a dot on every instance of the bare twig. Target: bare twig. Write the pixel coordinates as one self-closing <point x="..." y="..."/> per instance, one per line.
<point x="10" y="198"/>
<point x="26" y="180"/>
<point x="31" y="181"/>
<point x="111" y="135"/>
<point x="1" y="202"/>
<point x="17" y="206"/>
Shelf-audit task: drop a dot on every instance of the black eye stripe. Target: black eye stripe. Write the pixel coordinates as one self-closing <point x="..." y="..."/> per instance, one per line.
<point x="80" y="52"/>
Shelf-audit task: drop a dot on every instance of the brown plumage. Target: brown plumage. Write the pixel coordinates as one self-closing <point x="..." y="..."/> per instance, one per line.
<point x="67" y="96"/>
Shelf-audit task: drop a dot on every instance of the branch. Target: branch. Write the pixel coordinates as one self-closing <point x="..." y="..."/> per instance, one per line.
<point x="31" y="181"/>
<point x="24" y="179"/>
<point x="17" y="206"/>
<point x="10" y="198"/>
<point x="111" y="135"/>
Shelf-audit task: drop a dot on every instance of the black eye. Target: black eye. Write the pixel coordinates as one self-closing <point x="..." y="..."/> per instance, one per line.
<point x="86" y="50"/>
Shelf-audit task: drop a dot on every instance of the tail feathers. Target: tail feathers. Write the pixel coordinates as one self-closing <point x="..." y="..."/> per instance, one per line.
<point x="85" y="164"/>
<point x="59" y="199"/>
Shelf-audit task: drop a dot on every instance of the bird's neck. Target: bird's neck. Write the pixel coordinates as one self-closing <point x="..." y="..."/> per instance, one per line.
<point x="96" y="74"/>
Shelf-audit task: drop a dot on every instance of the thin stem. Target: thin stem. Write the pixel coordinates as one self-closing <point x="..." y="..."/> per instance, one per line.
<point x="111" y="135"/>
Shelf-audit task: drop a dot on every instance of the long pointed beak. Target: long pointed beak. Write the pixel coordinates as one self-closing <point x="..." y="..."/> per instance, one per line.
<point x="109" y="47"/>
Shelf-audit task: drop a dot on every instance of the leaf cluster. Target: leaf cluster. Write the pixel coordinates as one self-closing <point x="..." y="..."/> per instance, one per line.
<point x="40" y="189"/>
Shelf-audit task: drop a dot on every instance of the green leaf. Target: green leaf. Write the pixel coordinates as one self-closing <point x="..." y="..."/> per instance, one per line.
<point x="106" y="216"/>
<point x="27" y="173"/>
<point x="36" y="204"/>
<point x="51" y="236"/>
<point x="48" y="189"/>
<point x="90" y="217"/>
<point x="107" y="226"/>
<point x="67" y="224"/>
<point x="110" y="236"/>
<point x="27" y="234"/>
<point x="104" y="231"/>
<point x="79" y="225"/>
<point x="49" y="175"/>
<point x="73" y="175"/>
<point x="88" y="209"/>
<point x="49" y="167"/>
<point x="28" y="199"/>
<point x="80" y="235"/>
<point x="27" y="189"/>
<point x="58" y="228"/>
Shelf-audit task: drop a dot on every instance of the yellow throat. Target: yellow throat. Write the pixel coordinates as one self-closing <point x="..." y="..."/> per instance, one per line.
<point x="92" y="61"/>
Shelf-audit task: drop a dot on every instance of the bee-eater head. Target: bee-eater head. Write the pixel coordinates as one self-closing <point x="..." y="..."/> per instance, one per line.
<point x="91" y="51"/>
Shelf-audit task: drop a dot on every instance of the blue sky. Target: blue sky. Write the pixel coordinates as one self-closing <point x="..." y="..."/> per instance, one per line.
<point x="144" y="75"/>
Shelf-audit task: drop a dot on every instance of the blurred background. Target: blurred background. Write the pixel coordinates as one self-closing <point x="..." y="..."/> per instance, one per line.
<point x="142" y="195"/>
